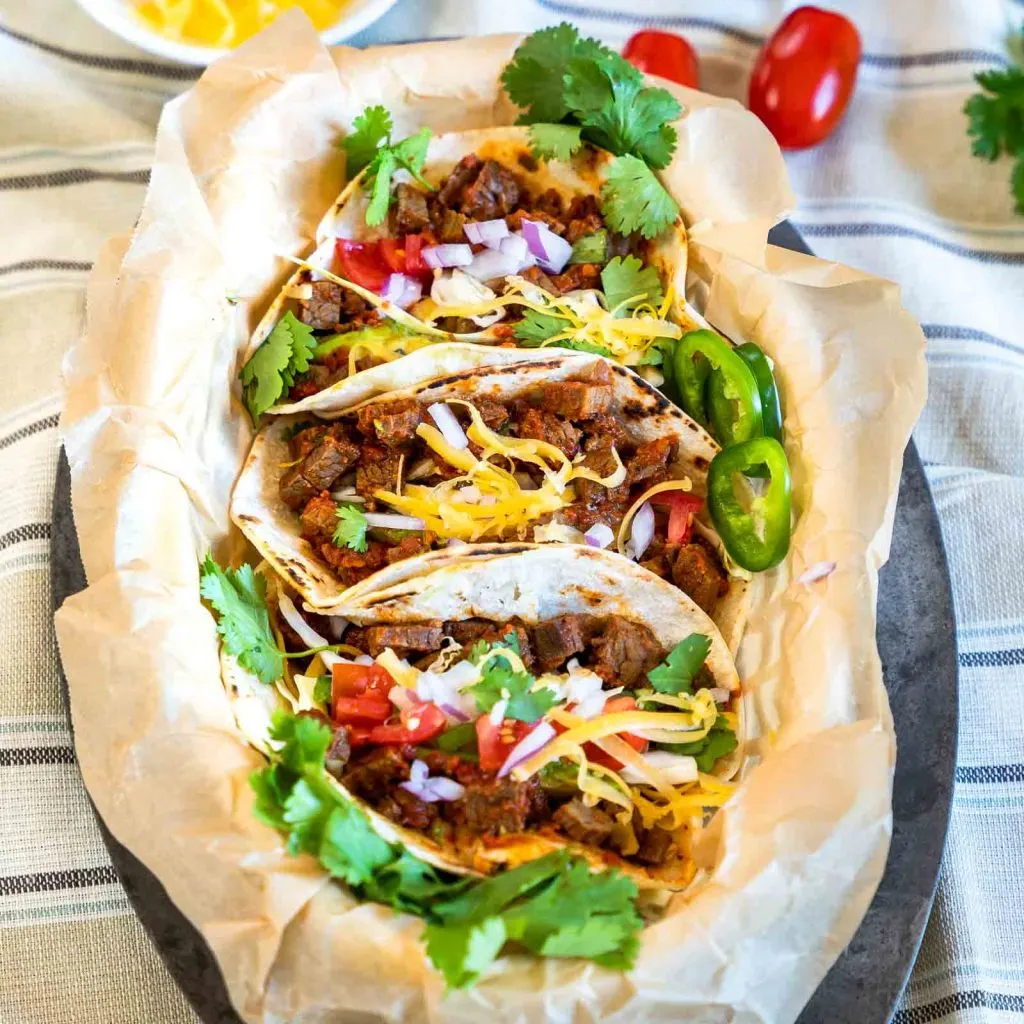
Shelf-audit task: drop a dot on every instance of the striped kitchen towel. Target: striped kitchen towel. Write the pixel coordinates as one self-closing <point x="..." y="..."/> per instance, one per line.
<point x="893" y="191"/>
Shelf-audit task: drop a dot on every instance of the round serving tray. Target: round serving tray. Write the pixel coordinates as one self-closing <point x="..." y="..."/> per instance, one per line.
<point x="916" y="640"/>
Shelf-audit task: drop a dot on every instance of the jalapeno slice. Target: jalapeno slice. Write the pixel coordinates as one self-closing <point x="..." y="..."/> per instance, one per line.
<point x="756" y="537"/>
<point x="771" y="406"/>
<point x="729" y="400"/>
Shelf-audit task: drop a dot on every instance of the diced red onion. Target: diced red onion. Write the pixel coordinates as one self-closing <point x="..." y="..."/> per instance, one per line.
<point x="515" y="247"/>
<point x="402" y="697"/>
<point x="492" y="263"/>
<point x="401" y="290"/>
<point x="719" y="694"/>
<point x="486" y="232"/>
<point x="453" y="712"/>
<point x="536" y="738"/>
<point x="448" y="425"/>
<point x="552" y="251"/>
<point x="440" y="256"/>
<point x="418" y="771"/>
<point x="393" y="521"/>
<point x="431" y="790"/>
<point x="641" y="532"/>
<point x="599" y="536"/>
<point x="819" y="571"/>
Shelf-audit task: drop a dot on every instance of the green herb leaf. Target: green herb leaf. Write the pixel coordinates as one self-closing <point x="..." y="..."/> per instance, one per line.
<point x="411" y="152"/>
<point x="676" y="673"/>
<point x="533" y="78"/>
<point x="371" y="128"/>
<point x="555" y="141"/>
<point x="500" y="682"/>
<point x="380" y="187"/>
<point x="583" y="346"/>
<point x="592" y="248"/>
<point x="536" y="327"/>
<point x="303" y="740"/>
<point x="351" y="529"/>
<point x="628" y="279"/>
<point x="350" y="849"/>
<point x="239" y="597"/>
<point x="273" y="367"/>
<point x="459" y="737"/>
<point x="720" y="740"/>
<point x="633" y="199"/>
<point x="463" y="952"/>
<point x="995" y="120"/>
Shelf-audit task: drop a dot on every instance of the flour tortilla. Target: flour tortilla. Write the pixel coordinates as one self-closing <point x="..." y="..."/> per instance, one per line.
<point x="347" y="219"/>
<point x="274" y="528"/>
<point x="500" y="587"/>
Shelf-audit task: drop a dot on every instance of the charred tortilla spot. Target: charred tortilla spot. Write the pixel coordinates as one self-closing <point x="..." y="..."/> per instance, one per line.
<point x="633" y="409"/>
<point x="700" y="462"/>
<point x="246" y="518"/>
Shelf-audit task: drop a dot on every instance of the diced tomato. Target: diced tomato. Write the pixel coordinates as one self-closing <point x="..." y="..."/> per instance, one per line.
<point x="495" y="742"/>
<point x="414" y="262"/>
<point x="362" y="263"/>
<point x="393" y="254"/>
<point x="596" y="754"/>
<point x="359" y="736"/>
<point x="664" y="54"/>
<point x="682" y="508"/>
<point x="418" y="724"/>
<point x="365" y="710"/>
<point x="354" y="680"/>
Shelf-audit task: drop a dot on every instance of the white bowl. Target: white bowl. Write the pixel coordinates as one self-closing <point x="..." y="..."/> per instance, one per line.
<point x="118" y="16"/>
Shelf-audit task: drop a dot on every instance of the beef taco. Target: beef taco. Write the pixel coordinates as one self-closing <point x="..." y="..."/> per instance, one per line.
<point x="571" y="449"/>
<point x="483" y="721"/>
<point x="485" y="243"/>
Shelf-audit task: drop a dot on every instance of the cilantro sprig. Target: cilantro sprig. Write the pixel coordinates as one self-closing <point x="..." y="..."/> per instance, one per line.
<point x="553" y="906"/>
<point x="720" y="740"/>
<point x="351" y="529"/>
<point x="369" y="145"/>
<point x="501" y="682"/>
<point x="677" y="672"/>
<point x="995" y="118"/>
<point x="575" y="90"/>
<point x="628" y="279"/>
<point x="273" y="367"/>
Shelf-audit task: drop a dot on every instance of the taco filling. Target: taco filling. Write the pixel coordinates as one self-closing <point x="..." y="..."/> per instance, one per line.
<point x="399" y="477"/>
<point x="579" y="729"/>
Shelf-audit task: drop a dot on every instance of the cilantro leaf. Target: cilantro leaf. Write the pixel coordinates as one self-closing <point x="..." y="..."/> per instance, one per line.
<point x="463" y="952"/>
<point x="632" y="199"/>
<point x="583" y="346"/>
<point x="537" y="327"/>
<point x="720" y="740"/>
<point x="501" y="682"/>
<point x="349" y="849"/>
<point x="303" y="740"/>
<point x="592" y="248"/>
<point x="555" y="141"/>
<point x="628" y="279"/>
<point x="380" y="187"/>
<point x="411" y="152"/>
<point x="533" y="78"/>
<point x="239" y="597"/>
<point x="273" y="367"/>
<point x="676" y="673"/>
<point x="995" y="120"/>
<point x="369" y="130"/>
<point x="351" y="529"/>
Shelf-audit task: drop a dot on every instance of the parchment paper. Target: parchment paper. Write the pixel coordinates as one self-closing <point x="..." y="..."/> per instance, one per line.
<point x="246" y="163"/>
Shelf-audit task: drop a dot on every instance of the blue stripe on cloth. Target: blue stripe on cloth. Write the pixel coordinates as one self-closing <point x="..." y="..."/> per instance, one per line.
<point x="956" y="332"/>
<point x="876" y="230"/>
<point x="990" y="773"/>
<point x="934" y="58"/>
<point x="992" y="659"/>
<point x="956" y="1001"/>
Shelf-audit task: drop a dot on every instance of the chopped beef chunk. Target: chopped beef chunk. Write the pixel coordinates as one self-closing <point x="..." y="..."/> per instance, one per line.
<point x="314" y="380"/>
<point x="602" y="432"/>
<point x="412" y="811"/>
<point x="319" y="518"/>
<point x="295" y="489"/>
<point x="656" y="846"/>
<point x="515" y="220"/>
<point x="353" y="305"/>
<point x="584" y="218"/>
<point x="322" y="310"/>
<point x="550" y="203"/>
<point x="390" y="423"/>
<point x="450" y="192"/>
<point x="557" y="640"/>
<point x="469" y="631"/>
<point x="424" y="636"/>
<point x="541" y="425"/>
<point x="305" y="440"/>
<point x="626" y="245"/>
<point x="328" y="461"/>
<point x="601" y="461"/>
<point x="412" y="544"/>
<point x="576" y="400"/>
<point x="498" y="806"/>
<point x="378" y="470"/>
<point x="697" y="571"/>
<point x="649" y="460"/>
<point x="376" y="771"/>
<point x="584" y="824"/>
<point x="494" y="414"/>
<point x="338" y="752"/>
<point x="352" y="566"/>
<point x="537" y="276"/>
<point x="494" y="193"/>
<point x="579" y="275"/>
<point x="410" y="214"/>
<point x="624" y="652"/>
<point x="449" y="225"/>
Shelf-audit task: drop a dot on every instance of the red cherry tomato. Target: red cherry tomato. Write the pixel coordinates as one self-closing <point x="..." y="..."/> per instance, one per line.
<point x="355" y="680"/>
<point x="495" y="742"/>
<point x="682" y="508"/>
<point x="365" y="710"/>
<point x="418" y="724"/>
<point x="362" y="263"/>
<point x="415" y="264"/>
<point x="664" y="54"/>
<point x="804" y="76"/>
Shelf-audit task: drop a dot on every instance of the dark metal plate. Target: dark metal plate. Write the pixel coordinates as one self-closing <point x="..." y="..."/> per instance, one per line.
<point x="916" y="638"/>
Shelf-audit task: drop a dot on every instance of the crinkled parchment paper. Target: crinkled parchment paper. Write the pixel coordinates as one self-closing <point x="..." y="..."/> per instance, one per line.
<point x="246" y="163"/>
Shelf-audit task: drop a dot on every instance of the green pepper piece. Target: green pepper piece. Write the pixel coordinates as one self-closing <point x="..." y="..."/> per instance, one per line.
<point x="730" y="400"/>
<point x="457" y="737"/>
<point x="758" y="538"/>
<point x="771" y="406"/>
<point x="381" y="332"/>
